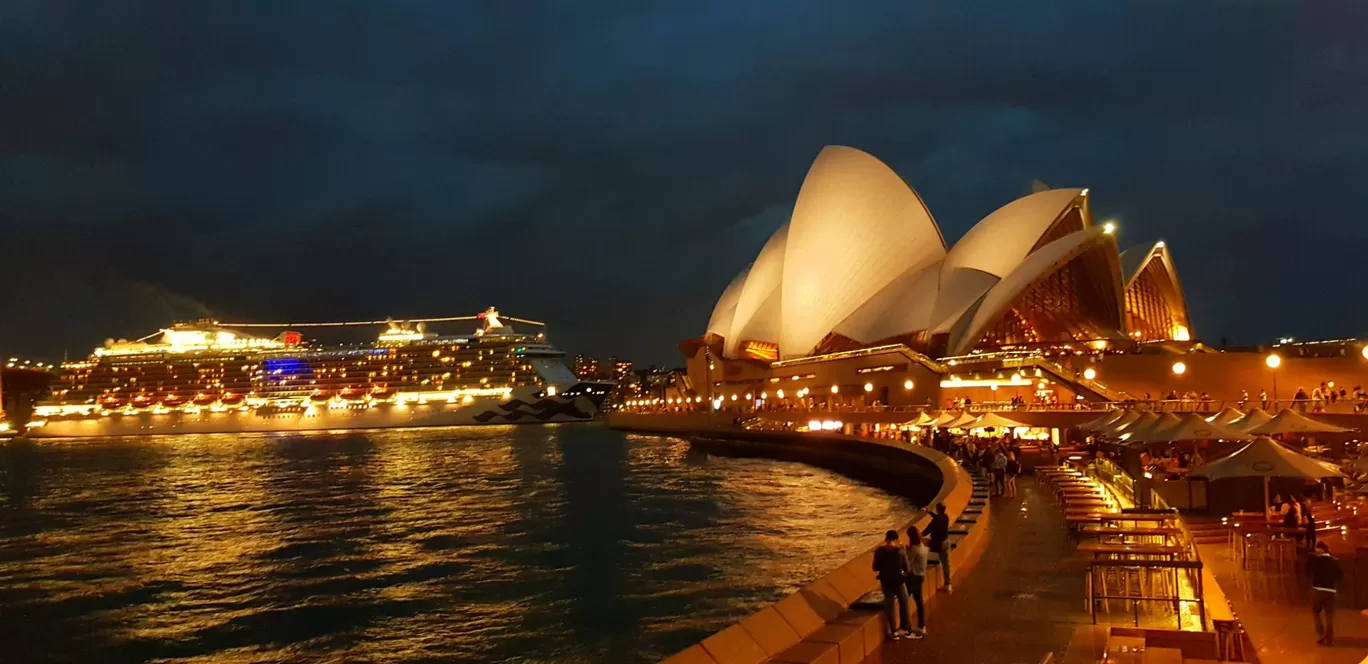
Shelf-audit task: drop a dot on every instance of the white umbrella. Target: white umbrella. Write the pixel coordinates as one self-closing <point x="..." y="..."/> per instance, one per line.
<point x="1119" y="424"/>
<point x="1267" y="459"/>
<point x="964" y="421"/>
<point x="1100" y="423"/>
<point x="1190" y="427"/>
<point x="946" y="417"/>
<point x="922" y="420"/>
<point x="1135" y="426"/>
<point x="1154" y="424"/>
<point x="1227" y="416"/>
<point x="1252" y="419"/>
<point x="996" y="421"/>
<point x="1290" y="421"/>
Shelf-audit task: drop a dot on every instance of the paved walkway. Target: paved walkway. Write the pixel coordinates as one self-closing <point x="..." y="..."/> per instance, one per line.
<point x="1275" y="610"/>
<point x="1024" y="599"/>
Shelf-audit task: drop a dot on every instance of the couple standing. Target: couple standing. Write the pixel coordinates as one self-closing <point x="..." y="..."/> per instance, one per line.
<point x="902" y="572"/>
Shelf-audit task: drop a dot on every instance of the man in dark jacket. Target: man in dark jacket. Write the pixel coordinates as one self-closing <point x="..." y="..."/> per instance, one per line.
<point x="1325" y="577"/>
<point x="890" y="563"/>
<point x="938" y="539"/>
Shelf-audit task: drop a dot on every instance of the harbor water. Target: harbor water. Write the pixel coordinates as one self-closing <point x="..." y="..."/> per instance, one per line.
<point x="546" y="544"/>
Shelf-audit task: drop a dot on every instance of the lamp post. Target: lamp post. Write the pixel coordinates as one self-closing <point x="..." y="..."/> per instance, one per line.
<point x="1274" y="361"/>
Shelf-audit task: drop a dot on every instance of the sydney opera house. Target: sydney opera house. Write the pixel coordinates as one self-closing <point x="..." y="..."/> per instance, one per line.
<point x="859" y="296"/>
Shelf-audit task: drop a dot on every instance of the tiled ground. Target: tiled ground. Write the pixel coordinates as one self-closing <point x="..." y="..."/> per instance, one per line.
<point x="1024" y="599"/>
<point x="1275" y="610"/>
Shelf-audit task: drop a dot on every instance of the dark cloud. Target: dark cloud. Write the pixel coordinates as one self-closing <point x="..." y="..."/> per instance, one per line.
<point x="610" y="166"/>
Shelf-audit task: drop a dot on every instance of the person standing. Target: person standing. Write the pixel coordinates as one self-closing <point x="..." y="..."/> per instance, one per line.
<point x="917" y="556"/>
<point x="1325" y="577"/>
<point x="938" y="534"/>
<point x="890" y="564"/>
<point x="1013" y="469"/>
<point x="1000" y="472"/>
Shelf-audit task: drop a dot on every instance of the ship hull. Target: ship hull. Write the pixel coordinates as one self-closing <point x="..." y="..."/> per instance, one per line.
<point x="482" y="411"/>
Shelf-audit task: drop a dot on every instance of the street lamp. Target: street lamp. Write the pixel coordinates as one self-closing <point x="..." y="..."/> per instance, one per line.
<point x="1274" y="361"/>
<point x="1179" y="368"/>
<point x="907" y="384"/>
<point x="869" y="387"/>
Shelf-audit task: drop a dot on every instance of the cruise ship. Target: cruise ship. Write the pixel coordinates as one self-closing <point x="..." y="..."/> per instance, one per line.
<point x="207" y="377"/>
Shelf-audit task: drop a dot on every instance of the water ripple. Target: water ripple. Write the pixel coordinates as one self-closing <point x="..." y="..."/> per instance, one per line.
<point x="545" y="545"/>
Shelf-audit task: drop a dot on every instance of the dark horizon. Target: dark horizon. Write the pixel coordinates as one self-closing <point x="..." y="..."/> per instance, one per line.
<point x="609" y="169"/>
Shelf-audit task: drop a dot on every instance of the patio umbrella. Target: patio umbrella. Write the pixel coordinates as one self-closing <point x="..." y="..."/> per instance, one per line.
<point x="1226" y="416"/>
<point x="1139" y="424"/>
<point x="1190" y="427"/>
<point x="1290" y="421"/>
<point x="946" y="417"/>
<point x="1100" y="423"/>
<point x="962" y="422"/>
<point x="1141" y="431"/>
<point x="1267" y="459"/>
<point x="1120" y="423"/>
<point x="923" y="419"/>
<point x="995" y="421"/>
<point x="1252" y="419"/>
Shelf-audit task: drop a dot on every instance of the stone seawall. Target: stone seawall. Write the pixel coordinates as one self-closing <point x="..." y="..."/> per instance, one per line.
<point x="920" y="473"/>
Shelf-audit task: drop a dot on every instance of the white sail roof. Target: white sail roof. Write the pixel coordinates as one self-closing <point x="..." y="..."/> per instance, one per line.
<point x="1043" y="262"/>
<point x="761" y="291"/>
<point x="903" y="306"/>
<point x="721" y="319"/>
<point x="856" y="227"/>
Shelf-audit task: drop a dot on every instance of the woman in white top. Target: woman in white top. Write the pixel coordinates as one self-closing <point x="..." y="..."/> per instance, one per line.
<point x="917" y="556"/>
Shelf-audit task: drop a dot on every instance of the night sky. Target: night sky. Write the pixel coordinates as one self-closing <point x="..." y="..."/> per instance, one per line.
<point x="609" y="166"/>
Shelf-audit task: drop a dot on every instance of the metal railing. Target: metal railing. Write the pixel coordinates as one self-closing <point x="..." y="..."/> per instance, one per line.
<point x="1137" y="575"/>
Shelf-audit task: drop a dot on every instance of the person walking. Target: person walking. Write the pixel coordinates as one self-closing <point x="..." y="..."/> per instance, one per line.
<point x="1013" y="469"/>
<point x="1000" y="472"/>
<point x="890" y="564"/>
<point x="938" y="536"/>
<point x="1325" y="577"/>
<point x="917" y="556"/>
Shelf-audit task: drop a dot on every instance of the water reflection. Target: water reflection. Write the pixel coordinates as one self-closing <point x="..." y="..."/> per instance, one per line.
<point x="564" y="544"/>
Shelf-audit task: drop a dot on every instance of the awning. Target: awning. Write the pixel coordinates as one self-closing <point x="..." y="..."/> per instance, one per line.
<point x="1291" y="421"/>
<point x="1190" y="427"/>
<point x="1266" y="458"/>
<point x="995" y="421"/>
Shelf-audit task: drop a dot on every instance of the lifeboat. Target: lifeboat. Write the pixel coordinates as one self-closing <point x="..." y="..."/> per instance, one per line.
<point x="230" y="399"/>
<point x="173" y="401"/>
<point x="319" y="396"/>
<point x="349" y="394"/>
<point x="141" y="401"/>
<point x="112" y="403"/>
<point x="204" y="399"/>
<point x="382" y="394"/>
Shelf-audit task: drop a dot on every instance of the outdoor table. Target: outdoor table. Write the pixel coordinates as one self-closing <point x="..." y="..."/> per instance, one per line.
<point x="1085" y="502"/>
<point x="1166" y="551"/>
<point x="1152" y="531"/>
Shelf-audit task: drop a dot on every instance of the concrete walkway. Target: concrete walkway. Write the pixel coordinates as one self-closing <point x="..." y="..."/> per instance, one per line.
<point x="1275" y="610"/>
<point x="1024" y="599"/>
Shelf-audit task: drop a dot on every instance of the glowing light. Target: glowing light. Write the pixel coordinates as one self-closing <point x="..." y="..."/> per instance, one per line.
<point x="1109" y="228"/>
<point x="1273" y="360"/>
<point x="1090" y="373"/>
<point x="780" y="394"/>
<point x="1365" y="352"/>
<point x="835" y="389"/>
<point x="733" y="397"/>
<point x="815" y="425"/>
<point x="993" y="387"/>
<point x="1179" y="368"/>
<point x="550" y="390"/>
<point x="1159" y="244"/>
<point x="869" y="387"/>
<point x="764" y="395"/>
<point x="907" y="385"/>
<point x="1180" y="333"/>
<point x="1040" y="385"/>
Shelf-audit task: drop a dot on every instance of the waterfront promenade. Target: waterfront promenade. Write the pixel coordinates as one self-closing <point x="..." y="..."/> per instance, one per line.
<point x="1276" y="614"/>
<point x="1023" y="600"/>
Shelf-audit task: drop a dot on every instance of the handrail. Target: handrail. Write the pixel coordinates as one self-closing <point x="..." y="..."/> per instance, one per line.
<point x="1193" y="567"/>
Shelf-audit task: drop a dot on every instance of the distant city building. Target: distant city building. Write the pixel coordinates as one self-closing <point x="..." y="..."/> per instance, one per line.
<point x="622" y="371"/>
<point x="586" y="368"/>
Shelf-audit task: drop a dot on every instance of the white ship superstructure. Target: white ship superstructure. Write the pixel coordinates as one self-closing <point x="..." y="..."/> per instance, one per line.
<point x="207" y="377"/>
